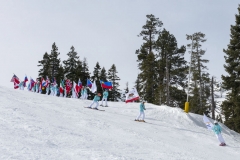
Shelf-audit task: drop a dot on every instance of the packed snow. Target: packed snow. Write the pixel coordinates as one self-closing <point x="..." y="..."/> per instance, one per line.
<point x="37" y="126"/>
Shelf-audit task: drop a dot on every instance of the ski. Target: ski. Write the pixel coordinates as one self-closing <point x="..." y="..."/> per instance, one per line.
<point x="140" y="121"/>
<point x="95" y="109"/>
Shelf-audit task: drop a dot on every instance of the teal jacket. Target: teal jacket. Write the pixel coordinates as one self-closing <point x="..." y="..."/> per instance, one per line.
<point x="142" y="107"/>
<point x="105" y="94"/>
<point x="216" y="129"/>
<point x="85" y="91"/>
<point x="96" y="98"/>
<point x="82" y="91"/>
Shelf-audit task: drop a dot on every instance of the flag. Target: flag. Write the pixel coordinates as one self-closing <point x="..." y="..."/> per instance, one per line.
<point x="79" y="85"/>
<point x="25" y="80"/>
<point x="68" y="86"/>
<point x="40" y="86"/>
<point x="47" y="82"/>
<point x="89" y="83"/>
<point x="106" y="85"/>
<point x="43" y="83"/>
<point x="209" y="125"/>
<point x="32" y="82"/>
<point x="15" y="79"/>
<point x="62" y="83"/>
<point x="16" y="85"/>
<point x="75" y="86"/>
<point x="61" y="88"/>
<point x="54" y="81"/>
<point x="94" y="87"/>
<point x="132" y="96"/>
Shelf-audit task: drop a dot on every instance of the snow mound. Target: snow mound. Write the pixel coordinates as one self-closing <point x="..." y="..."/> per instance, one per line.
<point x="35" y="126"/>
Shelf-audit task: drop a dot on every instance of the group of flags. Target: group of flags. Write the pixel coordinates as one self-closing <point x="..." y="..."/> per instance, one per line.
<point x="16" y="81"/>
<point x="130" y="96"/>
<point x="67" y="85"/>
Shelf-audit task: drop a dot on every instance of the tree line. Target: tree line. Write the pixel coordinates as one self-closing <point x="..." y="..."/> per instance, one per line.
<point x="74" y="69"/>
<point x="166" y="78"/>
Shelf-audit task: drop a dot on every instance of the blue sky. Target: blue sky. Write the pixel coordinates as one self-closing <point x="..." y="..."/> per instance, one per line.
<point x="105" y="31"/>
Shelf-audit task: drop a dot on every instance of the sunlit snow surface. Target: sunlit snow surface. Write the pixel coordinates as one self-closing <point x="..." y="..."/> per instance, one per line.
<point x="34" y="126"/>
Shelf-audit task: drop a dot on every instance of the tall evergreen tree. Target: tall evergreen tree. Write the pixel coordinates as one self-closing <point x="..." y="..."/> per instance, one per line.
<point x="231" y="82"/>
<point x="54" y="63"/>
<point x="85" y="72"/>
<point x="79" y="69"/>
<point x="171" y="70"/>
<point x="103" y="74"/>
<point x="45" y="64"/>
<point x="148" y="78"/>
<point x="138" y="84"/>
<point x="146" y="57"/>
<point x="71" y="64"/>
<point x="112" y="77"/>
<point x="200" y="89"/>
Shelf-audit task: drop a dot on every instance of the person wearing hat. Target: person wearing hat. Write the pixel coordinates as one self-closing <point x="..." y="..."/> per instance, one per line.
<point x="105" y="96"/>
<point x="142" y="108"/>
<point x="217" y="130"/>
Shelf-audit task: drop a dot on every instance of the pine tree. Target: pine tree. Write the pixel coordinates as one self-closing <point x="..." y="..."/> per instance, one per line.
<point x="231" y="82"/>
<point x="200" y="78"/>
<point x="79" y="69"/>
<point x="71" y="64"/>
<point x="114" y="95"/>
<point x="45" y="64"/>
<point x="54" y="63"/>
<point x="103" y="75"/>
<point x="85" y="72"/>
<point x="149" y="78"/>
<point x="138" y="85"/>
<point x="146" y="57"/>
<point x="171" y="70"/>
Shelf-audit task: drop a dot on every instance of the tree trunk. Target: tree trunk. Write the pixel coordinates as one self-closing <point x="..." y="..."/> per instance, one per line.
<point x="213" y="103"/>
<point x="167" y="83"/>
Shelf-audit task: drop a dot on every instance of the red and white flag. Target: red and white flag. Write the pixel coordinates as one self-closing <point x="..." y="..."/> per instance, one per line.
<point x="15" y="81"/>
<point x="132" y="96"/>
<point x="75" y="87"/>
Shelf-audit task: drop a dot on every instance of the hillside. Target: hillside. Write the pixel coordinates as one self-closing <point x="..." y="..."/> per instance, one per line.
<point x="34" y="126"/>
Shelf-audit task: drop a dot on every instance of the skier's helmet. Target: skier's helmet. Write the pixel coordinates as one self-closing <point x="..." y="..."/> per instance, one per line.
<point x="215" y="122"/>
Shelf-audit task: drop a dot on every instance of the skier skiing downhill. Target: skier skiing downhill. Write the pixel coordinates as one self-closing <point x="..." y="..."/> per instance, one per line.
<point x="142" y="108"/>
<point x="105" y="95"/>
<point x="95" y="101"/>
<point x="217" y="130"/>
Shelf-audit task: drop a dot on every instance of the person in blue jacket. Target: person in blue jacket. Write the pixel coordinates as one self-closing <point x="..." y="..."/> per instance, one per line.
<point x="105" y="96"/>
<point x="217" y="130"/>
<point x="95" y="101"/>
<point x="142" y="108"/>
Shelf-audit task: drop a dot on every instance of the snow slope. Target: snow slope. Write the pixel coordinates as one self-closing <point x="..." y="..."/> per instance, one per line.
<point x="34" y="126"/>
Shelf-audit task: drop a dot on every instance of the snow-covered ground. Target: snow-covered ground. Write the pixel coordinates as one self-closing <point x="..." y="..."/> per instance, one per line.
<point x="34" y="126"/>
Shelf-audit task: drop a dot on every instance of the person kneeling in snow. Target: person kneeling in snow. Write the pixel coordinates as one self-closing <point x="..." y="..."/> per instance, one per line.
<point x="142" y="108"/>
<point x="217" y="130"/>
<point x="95" y="101"/>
